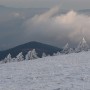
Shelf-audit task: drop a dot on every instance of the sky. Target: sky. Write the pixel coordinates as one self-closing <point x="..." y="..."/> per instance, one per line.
<point x="66" y="4"/>
<point x="50" y="26"/>
<point x="70" y="27"/>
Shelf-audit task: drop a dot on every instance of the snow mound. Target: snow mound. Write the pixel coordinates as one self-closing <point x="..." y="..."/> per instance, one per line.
<point x="64" y="72"/>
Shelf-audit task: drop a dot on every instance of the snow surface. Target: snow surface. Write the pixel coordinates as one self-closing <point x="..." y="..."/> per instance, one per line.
<point x="64" y="72"/>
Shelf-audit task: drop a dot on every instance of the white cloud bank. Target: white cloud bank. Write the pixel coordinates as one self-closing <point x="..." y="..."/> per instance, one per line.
<point x="54" y="28"/>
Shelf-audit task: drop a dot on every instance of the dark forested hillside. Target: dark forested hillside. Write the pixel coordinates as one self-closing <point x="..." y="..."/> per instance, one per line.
<point x="40" y="48"/>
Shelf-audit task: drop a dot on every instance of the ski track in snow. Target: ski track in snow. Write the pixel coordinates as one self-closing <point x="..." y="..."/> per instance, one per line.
<point x="64" y="72"/>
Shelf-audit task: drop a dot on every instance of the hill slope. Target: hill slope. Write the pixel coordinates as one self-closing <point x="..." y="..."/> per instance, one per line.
<point x="40" y="48"/>
<point x="65" y="72"/>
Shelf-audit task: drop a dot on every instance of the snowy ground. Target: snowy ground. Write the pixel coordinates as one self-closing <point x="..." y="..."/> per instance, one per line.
<point x="65" y="72"/>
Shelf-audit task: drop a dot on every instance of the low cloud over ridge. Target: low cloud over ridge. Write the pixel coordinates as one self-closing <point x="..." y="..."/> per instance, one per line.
<point x="58" y="29"/>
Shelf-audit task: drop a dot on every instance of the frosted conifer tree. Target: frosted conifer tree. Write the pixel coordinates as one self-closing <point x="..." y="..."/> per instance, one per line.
<point x="20" y="57"/>
<point x="33" y="54"/>
<point x="66" y="49"/>
<point x="83" y="46"/>
<point x="43" y="55"/>
<point x="28" y="56"/>
<point x="13" y="59"/>
<point x="8" y="58"/>
<point x="56" y="54"/>
<point x="71" y="50"/>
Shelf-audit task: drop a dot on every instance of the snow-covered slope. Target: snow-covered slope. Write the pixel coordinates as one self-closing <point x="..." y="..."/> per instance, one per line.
<point x="64" y="72"/>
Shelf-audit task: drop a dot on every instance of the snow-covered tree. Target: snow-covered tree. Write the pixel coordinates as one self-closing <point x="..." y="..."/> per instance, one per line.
<point x="13" y="59"/>
<point x="31" y="55"/>
<point x="66" y="49"/>
<point x="56" y="54"/>
<point x="28" y="56"/>
<point x="71" y="50"/>
<point x="8" y="58"/>
<point x="20" y="57"/>
<point x="48" y="55"/>
<point x="83" y="46"/>
<point x="34" y="54"/>
<point x="44" y="55"/>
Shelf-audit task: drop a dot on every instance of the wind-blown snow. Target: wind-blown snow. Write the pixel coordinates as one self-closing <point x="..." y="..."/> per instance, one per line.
<point x="64" y="72"/>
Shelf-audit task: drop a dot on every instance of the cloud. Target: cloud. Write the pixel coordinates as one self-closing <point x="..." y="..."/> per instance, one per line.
<point x="58" y="29"/>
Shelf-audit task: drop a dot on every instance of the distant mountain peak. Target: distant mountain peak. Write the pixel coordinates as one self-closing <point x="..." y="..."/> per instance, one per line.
<point x="24" y="48"/>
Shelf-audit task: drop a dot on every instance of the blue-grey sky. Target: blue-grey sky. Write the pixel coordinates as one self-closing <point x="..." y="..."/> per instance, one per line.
<point x="18" y="26"/>
<point x="67" y="4"/>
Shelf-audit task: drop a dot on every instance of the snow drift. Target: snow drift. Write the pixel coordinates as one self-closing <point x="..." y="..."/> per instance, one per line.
<point x="64" y="72"/>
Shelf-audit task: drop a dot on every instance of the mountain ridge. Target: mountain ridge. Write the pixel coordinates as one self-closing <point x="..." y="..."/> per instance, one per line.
<point x="24" y="48"/>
